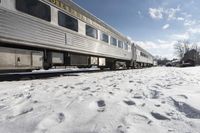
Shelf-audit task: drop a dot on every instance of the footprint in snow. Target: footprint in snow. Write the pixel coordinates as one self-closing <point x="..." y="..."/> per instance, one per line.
<point x="154" y="94"/>
<point x="114" y="85"/>
<point x="18" y="95"/>
<point x="156" y="87"/>
<point x="31" y="89"/>
<point x="159" y="85"/>
<point x="61" y="117"/>
<point x="111" y="93"/>
<point x="65" y="87"/>
<point x="87" y="88"/>
<point x="140" y="82"/>
<point x="183" y="96"/>
<point x="79" y="83"/>
<point x="51" y="121"/>
<point x="72" y="87"/>
<point x="101" y="105"/>
<point x="159" y="116"/>
<point x="133" y="118"/>
<point x="2" y="106"/>
<point x="129" y="102"/>
<point x="138" y="96"/>
<point x="121" y="129"/>
<point x="106" y="77"/>
<point x="157" y="105"/>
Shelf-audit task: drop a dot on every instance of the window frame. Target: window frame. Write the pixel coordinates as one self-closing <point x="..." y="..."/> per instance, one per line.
<point x="102" y="37"/>
<point x="89" y="35"/>
<point x="120" y="44"/>
<point x="29" y="12"/>
<point x="111" y="41"/>
<point x="143" y="54"/>
<point x="76" y="29"/>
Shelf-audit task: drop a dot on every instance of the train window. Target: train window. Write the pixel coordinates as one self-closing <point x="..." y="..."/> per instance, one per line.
<point x="113" y="41"/>
<point x="126" y="46"/>
<point x="143" y="54"/>
<point x="35" y="8"/>
<point x="90" y="31"/>
<point x="104" y="37"/>
<point x="67" y="21"/>
<point x="120" y="44"/>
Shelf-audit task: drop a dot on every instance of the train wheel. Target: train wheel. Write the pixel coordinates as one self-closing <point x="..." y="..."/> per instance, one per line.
<point x="101" y="68"/>
<point x="46" y="66"/>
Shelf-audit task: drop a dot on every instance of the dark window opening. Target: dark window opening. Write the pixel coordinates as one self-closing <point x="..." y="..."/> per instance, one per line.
<point x="90" y="31"/>
<point x="35" y="8"/>
<point x="113" y="41"/>
<point x="120" y="44"/>
<point x="143" y="54"/>
<point x="104" y="37"/>
<point x="67" y="21"/>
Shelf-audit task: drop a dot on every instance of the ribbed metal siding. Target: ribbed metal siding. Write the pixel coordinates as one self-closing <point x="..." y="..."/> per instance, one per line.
<point x="19" y="27"/>
<point x="23" y="27"/>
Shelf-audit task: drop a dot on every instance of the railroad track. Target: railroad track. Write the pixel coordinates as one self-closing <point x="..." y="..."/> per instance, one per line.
<point x="45" y="74"/>
<point x="41" y="74"/>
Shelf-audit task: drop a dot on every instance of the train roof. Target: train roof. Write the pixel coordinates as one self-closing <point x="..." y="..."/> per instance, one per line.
<point x="92" y="17"/>
<point x="142" y="49"/>
<point x="98" y="20"/>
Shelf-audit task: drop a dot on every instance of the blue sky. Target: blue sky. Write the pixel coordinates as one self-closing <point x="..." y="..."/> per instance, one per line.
<point x="154" y="24"/>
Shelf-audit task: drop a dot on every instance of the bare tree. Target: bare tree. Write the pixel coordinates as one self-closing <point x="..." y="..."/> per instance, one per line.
<point x="181" y="47"/>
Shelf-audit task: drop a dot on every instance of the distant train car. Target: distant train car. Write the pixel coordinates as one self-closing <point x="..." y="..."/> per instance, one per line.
<point x="36" y="34"/>
<point x="141" y="57"/>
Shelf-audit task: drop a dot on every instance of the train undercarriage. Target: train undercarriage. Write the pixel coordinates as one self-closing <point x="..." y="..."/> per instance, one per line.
<point x="21" y="58"/>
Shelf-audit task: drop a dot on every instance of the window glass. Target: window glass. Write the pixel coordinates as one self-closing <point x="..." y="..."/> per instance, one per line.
<point x="113" y="41"/>
<point x="90" y="31"/>
<point x="104" y="37"/>
<point x="35" y="8"/>
<point x="67" y="21"/>
<point x="143" y="54"/>
<point x="120" y="44"/>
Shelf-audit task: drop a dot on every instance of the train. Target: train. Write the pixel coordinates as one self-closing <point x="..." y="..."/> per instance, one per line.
<point x="42" y="34"/>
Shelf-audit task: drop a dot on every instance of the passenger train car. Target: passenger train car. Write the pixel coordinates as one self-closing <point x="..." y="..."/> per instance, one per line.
<point x="36" y="34"/>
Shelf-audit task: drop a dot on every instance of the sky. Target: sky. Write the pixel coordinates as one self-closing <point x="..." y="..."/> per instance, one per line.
<point x="156" y="25"/>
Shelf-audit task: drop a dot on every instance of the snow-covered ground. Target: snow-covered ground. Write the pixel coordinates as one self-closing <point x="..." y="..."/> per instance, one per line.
<point x="152" y="100"/>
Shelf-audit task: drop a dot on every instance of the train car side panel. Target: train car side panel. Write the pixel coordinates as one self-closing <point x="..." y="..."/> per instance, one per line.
<point x="7" y="58"/>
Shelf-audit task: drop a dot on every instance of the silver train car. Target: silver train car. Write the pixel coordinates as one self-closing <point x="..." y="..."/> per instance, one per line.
<point x="141" y="57"/>
<point x="36" y="34"/>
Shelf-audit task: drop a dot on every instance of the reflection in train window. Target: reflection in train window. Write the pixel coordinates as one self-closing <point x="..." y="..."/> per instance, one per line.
<point x="113" y="41"/>
<point x="120" y="44"/>
<point x="143" y="54"/>
<point x="35" y="8"/>
<point x="104" y="37"/>
<point x="90" y="31"/>
<point x="67" y="21"/>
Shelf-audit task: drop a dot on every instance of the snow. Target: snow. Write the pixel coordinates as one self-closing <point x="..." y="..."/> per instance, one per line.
<point x="153" y="100"/>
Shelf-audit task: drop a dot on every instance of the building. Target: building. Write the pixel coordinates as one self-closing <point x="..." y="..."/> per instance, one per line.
<point x="191" y="58"/>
